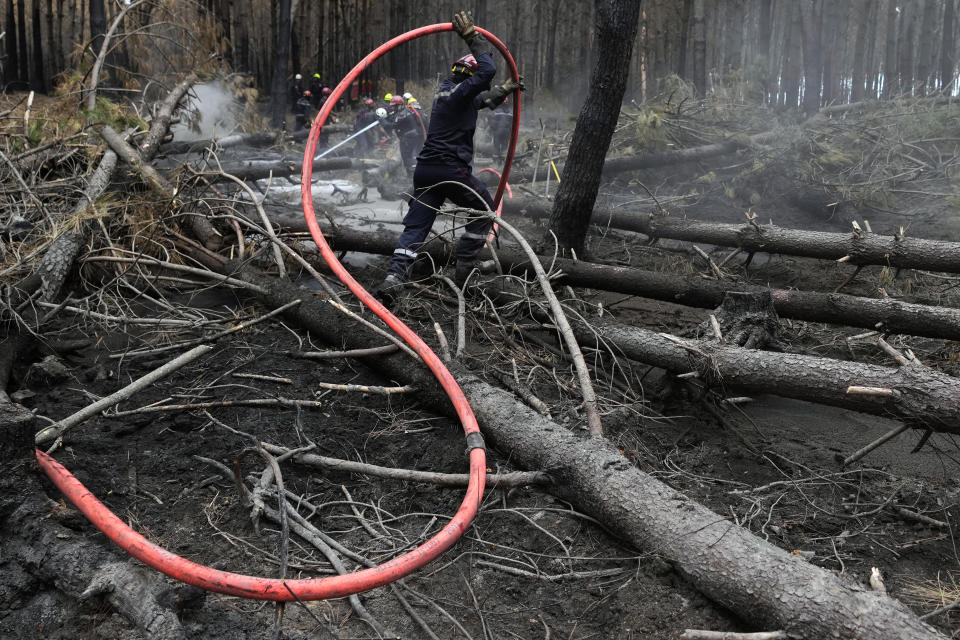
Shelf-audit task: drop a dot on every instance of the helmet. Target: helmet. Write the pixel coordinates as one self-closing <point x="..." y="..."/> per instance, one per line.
<point x="387" y="97"/>
<point x="317" y="76"/>
<point x="298" y="77"/>
<point x="467" y="64"/>
<point x="381" y="112"/>
<point x="368" y="102"/>
<point x="408" y="96"/>
<point x="307" y="94"/>
<point x="326" y="91"/>
<point x="396" y="100"/>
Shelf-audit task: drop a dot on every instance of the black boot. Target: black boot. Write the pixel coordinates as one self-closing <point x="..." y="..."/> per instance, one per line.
<point x="388" y="291"/>
<point x="463" y="271"/>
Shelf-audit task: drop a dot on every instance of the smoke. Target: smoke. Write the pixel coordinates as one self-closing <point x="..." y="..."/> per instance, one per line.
<point x="211" y="113"/>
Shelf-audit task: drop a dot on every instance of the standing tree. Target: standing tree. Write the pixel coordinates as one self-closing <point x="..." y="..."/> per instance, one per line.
<point x="98" y="25"/>
<point x="947" y="48"/>
<point x="617" y="23"/>
<point x="278" y="87"/>
<point x="699" y="33"/>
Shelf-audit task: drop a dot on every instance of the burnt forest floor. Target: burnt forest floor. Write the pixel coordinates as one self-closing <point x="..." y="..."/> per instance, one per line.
<point x="530" y="566"/>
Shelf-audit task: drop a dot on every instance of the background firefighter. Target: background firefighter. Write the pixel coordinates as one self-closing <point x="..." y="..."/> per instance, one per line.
<point x="410" y="128"/>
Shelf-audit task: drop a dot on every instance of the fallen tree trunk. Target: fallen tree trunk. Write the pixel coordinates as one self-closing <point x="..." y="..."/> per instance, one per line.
<point x="655" y="160"/>
<point x="855" y="248"/>
<point x="920" y="397"/>
<point x="260" y="169"/>
<point x="883" y="314"/>
<point x="236" y="140"/>
<point x="765" y="585"/>
<point x="859" y="248"/>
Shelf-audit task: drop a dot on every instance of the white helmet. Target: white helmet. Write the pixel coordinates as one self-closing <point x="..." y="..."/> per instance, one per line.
<point x="407" y="95"/>
<point x="298" y="77"/>
<point x="381" y="113"/>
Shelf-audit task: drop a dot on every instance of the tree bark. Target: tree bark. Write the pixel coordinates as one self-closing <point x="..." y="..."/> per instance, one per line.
<point x="857" y="90"/>
<point x="278" y="85"/>
<point x="947" y="47"/>
<point x="767" y="586"/>
<point x="617" y="23"/>
<point x="810" y="13"/>
<point x="891" y="81"/>
<point x="699" y="36"/>
<point x="98" y="25"/>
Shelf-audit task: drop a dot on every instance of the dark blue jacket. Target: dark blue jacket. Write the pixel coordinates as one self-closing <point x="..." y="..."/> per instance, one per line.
<point x="453" y="118"/>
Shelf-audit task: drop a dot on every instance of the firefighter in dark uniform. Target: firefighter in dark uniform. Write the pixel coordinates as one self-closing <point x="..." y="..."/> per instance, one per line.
<point x="301" y="110"/>
<point x="447" y="156"/>
<point x="366" y="116"/>
<point x="408" y="124"/>
<point x="501" y="127"/>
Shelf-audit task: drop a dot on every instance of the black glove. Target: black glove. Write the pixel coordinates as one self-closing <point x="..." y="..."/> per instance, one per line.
<point x="463" y="24"/>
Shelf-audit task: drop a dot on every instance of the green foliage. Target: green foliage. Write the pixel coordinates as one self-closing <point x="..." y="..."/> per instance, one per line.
<point x="35" y="132"/>
<point x="110" y="113"/>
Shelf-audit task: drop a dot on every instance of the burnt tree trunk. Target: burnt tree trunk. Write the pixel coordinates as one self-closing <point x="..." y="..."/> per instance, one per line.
<point x="278" y="84"/>
<point x="616" y="31"/>
<point x="98" y="25"/>
<point x="947" y="47"/>
<point x="699" y="35"/>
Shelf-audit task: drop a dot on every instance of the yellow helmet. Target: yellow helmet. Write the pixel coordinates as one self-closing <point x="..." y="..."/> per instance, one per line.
<point x="388" y="97"/>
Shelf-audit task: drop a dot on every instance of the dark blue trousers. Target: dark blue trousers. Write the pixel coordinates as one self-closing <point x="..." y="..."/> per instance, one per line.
<point x="428" y="196"/>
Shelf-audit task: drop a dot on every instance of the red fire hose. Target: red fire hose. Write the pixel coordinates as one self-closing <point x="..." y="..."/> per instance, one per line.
<point x="338" y="586"/>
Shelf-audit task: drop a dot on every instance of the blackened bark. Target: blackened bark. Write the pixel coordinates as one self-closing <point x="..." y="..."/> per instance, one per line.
<point x="278" y="85"/>
<point x="11" y="66"/>
<point x="810" y="12"/>
<point x="98" y="25"/>
<point x="891" y="81"/>
<point x="926" y="53"/>
<point x="947" y="47"/>
<point x="699" y="34"/>
<point x="37" y="77"/>
<point x="686" y="12"/>
<point x="617" y="23"/>
<point x="860" y="44"/>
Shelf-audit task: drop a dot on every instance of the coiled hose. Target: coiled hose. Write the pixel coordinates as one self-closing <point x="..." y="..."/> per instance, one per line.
<point x="336" y="586"/>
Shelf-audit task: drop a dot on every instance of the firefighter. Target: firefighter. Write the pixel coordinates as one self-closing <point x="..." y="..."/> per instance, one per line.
<point x="296" y="91"/>
<point x="301" y="109"/>
<point x="501" y="127"/>
<point x="366" y="115"/>
<point x="410" y="129"/>
<point x="316" y="88"/>
<point x="446" y="159"/>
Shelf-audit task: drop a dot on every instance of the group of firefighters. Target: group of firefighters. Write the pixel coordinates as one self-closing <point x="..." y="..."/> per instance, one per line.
<point x="437" y="153"/>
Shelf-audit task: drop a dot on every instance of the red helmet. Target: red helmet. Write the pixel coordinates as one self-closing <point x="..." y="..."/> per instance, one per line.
<point x="369" y="102"/>
<point x="396" y="100"/>
<point x="307" y="94"/>
<point x="467" y="64"/>
<point x="326" y="91"/>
